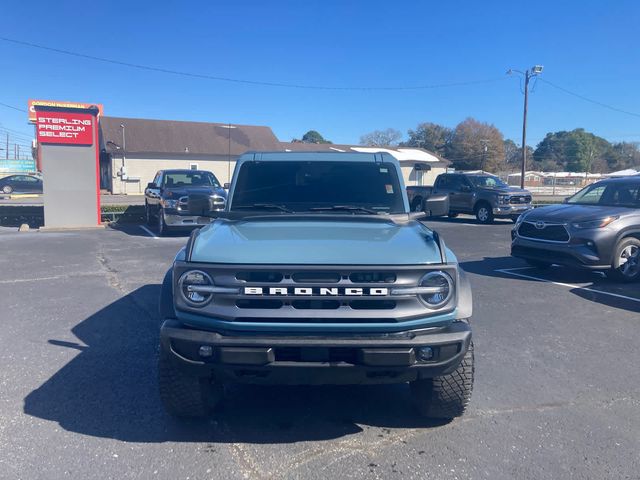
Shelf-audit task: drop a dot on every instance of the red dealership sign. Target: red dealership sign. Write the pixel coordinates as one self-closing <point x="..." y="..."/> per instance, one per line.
<point x="64" y="128"/>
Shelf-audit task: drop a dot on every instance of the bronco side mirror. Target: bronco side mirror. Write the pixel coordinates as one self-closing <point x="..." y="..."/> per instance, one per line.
<point x="151" y="185"/>
<point x="436" y="205"/>
<point x="227" y="186"/>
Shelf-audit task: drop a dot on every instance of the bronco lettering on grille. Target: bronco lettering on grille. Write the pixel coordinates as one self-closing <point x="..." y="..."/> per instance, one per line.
<point x="317" y="291"/>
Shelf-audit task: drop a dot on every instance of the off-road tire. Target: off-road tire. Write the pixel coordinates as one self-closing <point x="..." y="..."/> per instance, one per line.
<point x="446" y="396"/>
<point x="616" y="272"/>
<point x="484" y="213"/>
<point x="182" y="395"/>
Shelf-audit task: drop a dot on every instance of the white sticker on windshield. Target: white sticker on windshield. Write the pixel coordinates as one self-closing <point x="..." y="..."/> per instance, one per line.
<point x="384" y="170"/>
<point x="389" y="188"/>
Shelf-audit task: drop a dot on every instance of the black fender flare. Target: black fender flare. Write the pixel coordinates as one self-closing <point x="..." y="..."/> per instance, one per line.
<point x="165" y="305"/>
<point x="465" y="297"/>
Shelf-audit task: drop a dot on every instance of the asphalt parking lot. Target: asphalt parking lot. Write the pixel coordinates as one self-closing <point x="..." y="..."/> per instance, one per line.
<point x="557" y="391"/>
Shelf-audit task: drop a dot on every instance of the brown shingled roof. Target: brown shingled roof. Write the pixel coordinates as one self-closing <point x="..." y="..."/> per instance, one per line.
<point x="170" y="136"/>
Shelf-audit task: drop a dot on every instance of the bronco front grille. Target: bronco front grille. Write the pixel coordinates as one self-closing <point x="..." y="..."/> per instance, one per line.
<point x="310" y="294"/>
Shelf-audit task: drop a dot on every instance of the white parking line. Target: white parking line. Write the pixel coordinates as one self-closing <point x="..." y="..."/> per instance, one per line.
<point x="510" y="271"/>
<point x="149" y="231"/>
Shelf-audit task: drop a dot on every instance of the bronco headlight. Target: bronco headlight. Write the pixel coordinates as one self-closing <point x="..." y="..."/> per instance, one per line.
<point x="436" y="289"/>
<point x="196" y="288"/>
<point x="599" y="223"/>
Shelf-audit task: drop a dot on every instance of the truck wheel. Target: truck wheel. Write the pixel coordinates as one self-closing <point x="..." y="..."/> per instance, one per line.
<point x="162" y="226"/>
<point x="626" y="261"/>
<point x="446" y="396"/>
<point x="147" y="214"/>
<point x="417" y="206"/>
<point x="484" y="213"/>
<point x="182" y="395"/>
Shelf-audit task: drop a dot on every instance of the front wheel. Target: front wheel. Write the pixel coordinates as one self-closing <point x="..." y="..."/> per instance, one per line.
<point x="147" y="214"/>
<point x="626" y="260"/>
<point x="162" y="226"/>
<point x="484" y="213"/>
<point x="7" y="189"/>
<point x="446" y="396"/>
<point x="185" y="396"/>
<point x="416" y="206"/>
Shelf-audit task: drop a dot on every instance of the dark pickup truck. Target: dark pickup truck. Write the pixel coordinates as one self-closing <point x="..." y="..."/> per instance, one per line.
<point x="480" y="194"/>
<point x="182" y="199"/>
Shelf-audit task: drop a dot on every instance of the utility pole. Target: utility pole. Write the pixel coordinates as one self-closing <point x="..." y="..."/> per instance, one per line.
<point x="6" y="152"/>
<point x="484" y="143"/>
<point x="532" y="72"/>
<point x="523" y="165"/>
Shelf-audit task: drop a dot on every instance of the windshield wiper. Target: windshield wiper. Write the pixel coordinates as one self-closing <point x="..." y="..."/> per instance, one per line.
<point x="265" y="206"/>
<point x="345" y="208"/>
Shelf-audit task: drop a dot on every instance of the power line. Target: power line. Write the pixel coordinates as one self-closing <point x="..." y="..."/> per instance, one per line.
<point x="243" y="81"/>
<point x="12" y="107"/>
<point x="590" y="100"/>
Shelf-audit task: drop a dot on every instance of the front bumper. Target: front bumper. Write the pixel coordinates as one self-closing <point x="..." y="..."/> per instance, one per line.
<point x="316" y="359"/>
<point x="511" y="210"/>
<point x="179" y="220"/>
<point x="580" y="253"/>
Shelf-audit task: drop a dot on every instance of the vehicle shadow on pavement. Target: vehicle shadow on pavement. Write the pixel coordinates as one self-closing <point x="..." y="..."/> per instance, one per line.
<point x="592" y="286"/>
<point x="109" y="390"/>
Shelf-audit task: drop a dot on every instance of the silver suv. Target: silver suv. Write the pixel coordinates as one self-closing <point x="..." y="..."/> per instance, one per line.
<point x="598" y="228"/>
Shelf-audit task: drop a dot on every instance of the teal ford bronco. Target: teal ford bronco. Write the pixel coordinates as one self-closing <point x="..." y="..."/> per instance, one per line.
<point x="316" y="273"/>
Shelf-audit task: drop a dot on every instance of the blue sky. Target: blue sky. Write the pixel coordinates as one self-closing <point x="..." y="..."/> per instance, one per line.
<point x="589" y="47"/>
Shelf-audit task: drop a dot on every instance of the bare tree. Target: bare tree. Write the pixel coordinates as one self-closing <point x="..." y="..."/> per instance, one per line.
<point x="477" y="145"/>
<point x="430" y="136"/>
<point x="381" y="138"/>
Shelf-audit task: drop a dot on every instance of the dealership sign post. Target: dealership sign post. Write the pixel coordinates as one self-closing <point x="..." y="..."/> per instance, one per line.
<point x="68" y="146"/>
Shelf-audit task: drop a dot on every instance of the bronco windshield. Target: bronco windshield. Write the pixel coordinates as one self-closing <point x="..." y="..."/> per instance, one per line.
<point x="609" y="194"/>
<point x="318" y="186"/>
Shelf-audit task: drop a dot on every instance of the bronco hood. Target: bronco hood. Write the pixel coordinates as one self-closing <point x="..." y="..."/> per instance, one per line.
<point x="326" y="241"/>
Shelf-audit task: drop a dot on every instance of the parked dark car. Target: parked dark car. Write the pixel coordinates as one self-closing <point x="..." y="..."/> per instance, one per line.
<point x="598" y="228"/>
<point x="483" y="195"/>
<point x="183" y="198"/>
<point x="21" y="184"/>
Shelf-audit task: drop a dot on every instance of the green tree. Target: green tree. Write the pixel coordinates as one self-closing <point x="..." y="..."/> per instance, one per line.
<point x="574" y="151"/>
<point x="430" y="136"/>
<point x="381" y="138"/>
<point x="477" y="145"/>
<point x="621" y="156"/>
<point x="313" y="136"/>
